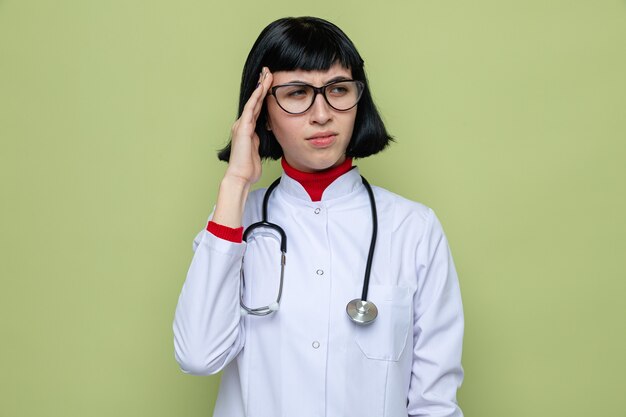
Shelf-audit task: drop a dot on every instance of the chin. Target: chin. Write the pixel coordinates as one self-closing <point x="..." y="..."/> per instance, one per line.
<point x="328" y="163"/>
<point x="315" y="163"/>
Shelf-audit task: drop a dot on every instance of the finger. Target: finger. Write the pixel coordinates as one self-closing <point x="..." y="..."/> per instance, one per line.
<point x="266" y="84"/>
<point x="257" y="104"/>
<point x="248" y="113"/>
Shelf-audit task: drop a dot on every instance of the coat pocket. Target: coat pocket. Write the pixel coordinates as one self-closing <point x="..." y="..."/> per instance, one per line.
<point x="386" y="337"/>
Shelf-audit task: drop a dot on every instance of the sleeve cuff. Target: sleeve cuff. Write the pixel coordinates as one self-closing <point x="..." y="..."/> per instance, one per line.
<point x="225" y="232"/>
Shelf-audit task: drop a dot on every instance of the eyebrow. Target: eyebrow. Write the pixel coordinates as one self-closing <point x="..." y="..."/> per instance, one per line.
<point x="332" y="80"/>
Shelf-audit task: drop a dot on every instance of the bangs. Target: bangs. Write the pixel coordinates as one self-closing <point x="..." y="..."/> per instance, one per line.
<point x="310" y="47"/>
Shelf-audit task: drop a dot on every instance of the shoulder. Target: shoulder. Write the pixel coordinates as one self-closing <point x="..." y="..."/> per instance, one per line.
<point x="412" y="223"/>
<point x="401" y="209"/>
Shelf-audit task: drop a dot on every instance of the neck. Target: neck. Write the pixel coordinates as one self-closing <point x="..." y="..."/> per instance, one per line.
<point x="316" y="182"/>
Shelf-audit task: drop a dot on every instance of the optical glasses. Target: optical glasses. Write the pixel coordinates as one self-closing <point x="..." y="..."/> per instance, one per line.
<point x="297" y="98"/>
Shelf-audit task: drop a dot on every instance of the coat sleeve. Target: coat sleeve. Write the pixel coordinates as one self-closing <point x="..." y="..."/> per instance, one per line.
<point x="208" y="328"/>
<point x="436" y="372"/>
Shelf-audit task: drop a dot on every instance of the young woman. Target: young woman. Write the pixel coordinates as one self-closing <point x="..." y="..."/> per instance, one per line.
<point x="361" y="315"/>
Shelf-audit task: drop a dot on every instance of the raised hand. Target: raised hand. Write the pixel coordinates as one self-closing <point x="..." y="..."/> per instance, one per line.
<point x="244" y="165"/>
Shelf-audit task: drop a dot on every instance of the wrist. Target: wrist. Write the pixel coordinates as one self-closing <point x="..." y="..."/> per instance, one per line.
<point x="235" y="183"/>
<point x="231" y="199"/>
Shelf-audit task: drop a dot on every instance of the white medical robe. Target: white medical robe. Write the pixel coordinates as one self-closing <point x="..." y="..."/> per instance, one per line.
<point x="308" y="359"/>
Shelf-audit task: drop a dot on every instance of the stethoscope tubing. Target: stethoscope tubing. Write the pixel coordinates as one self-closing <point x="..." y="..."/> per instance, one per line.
<point x="358" y="312"/>
<point x="370" y="255"/>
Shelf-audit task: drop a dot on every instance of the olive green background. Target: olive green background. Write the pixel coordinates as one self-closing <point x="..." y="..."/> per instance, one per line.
<point x="510" y="120"/>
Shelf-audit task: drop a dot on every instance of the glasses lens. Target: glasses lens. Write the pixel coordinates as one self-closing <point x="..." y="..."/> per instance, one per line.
<point x="294" y="98"/>
<point x="341" y="95"/>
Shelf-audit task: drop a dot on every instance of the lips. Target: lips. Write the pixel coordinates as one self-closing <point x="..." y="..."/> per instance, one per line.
<point x="322" y="139"/>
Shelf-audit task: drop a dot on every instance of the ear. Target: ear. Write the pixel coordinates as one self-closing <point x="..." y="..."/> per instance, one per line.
<point x="268" y="126"/>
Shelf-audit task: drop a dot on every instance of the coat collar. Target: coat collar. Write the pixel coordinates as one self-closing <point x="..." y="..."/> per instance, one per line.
<point x="343" y="186"/>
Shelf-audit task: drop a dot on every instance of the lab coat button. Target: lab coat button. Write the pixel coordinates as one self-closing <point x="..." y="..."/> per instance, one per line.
<point x="315" y="344"/>
<point x="317" y="210"/>
<point x="319" y="272"/>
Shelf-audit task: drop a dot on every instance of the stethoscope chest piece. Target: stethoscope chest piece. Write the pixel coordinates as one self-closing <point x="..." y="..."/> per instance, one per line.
<point x="362" y="312"/>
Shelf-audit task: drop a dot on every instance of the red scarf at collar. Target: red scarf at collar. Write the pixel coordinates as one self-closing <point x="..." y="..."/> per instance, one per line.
<point x="316" y="182"/>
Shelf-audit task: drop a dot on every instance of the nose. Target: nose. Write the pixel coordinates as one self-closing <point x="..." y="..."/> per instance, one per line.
<point x="321" y="112"/>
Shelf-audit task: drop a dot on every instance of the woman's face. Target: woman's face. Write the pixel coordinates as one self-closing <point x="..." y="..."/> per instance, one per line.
<point x="316" y="139"/>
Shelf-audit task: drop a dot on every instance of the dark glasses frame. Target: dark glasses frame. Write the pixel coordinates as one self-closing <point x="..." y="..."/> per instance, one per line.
<point x="318" y="90"/>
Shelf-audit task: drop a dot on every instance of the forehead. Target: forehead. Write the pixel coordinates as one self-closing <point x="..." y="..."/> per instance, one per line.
<point x="315" y="77"/>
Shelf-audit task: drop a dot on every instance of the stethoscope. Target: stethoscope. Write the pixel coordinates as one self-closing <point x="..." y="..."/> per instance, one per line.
<point x="361" y="311"/>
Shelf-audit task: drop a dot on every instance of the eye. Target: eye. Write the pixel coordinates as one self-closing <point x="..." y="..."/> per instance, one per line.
<point x="340" y="89"/>
<point x="294" y="92"/>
